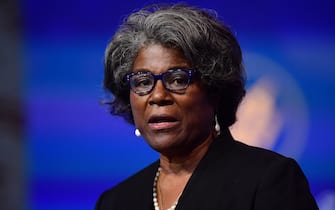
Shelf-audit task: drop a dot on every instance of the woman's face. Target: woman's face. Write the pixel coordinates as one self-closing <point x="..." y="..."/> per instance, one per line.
<point x="171" y="123"/>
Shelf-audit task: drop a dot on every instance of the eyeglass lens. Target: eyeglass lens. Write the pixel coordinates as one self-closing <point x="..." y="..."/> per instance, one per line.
<point x="173" y="80"/>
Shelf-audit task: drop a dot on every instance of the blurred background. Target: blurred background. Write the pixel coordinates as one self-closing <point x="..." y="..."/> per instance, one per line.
<point x="59" y="147"/>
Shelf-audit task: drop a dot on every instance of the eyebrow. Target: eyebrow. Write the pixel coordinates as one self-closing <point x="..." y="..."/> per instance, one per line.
<point x="170" y="68"/>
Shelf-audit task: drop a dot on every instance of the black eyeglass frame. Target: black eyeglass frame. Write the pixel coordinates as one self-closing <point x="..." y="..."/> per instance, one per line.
<point x="156" y="77"/>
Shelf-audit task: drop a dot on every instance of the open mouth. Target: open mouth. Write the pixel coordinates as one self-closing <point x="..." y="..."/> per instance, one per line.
<point x="162" y="122"/>
<point x="161" y="119"/>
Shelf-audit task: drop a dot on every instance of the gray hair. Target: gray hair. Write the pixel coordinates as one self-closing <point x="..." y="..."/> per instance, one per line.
<point x="208" y="45"/>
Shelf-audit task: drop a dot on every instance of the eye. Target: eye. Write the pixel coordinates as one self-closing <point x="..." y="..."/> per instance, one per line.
<point x="141" y="81"/>
<point x="177" y="79"/>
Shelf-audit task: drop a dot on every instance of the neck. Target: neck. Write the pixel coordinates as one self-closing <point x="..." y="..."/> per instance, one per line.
<point x="185" y="163"/>
<point x="174" y="173"/>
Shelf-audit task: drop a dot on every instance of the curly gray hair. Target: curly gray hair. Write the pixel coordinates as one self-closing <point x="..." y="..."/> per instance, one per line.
<point x="208" y="45"/>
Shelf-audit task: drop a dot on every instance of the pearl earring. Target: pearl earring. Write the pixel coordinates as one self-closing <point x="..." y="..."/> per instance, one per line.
<point x="217" y="125"/>
<point x="137" y="132"/>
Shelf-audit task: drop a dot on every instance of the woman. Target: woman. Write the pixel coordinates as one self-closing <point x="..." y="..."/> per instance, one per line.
<point x="176" y="73"/>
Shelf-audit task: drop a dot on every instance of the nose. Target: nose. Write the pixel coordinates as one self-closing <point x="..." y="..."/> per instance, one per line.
<point x="160" y="95"/>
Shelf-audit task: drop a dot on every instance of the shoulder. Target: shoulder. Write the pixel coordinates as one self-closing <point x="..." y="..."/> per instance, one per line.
<point x="263" y="163"/>
<point x="276" y="181"/>
<point x="139" y="179"/>
<point x="248" y="164"/>
<point x="131" y="192"/>
<point x="255" y="155"/>
<point x="234" y="153"/>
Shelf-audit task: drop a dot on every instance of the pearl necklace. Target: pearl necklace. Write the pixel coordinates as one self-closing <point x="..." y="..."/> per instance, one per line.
<point x="154" y="194"/>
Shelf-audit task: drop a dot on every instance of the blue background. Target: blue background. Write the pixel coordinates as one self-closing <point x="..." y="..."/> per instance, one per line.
<point x="75" y="149"/>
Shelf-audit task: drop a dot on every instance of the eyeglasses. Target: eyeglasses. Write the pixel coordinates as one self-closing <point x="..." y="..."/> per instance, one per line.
<point x="174" y="80"/>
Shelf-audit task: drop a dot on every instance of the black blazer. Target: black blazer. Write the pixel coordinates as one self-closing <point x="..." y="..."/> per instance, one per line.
<point x="231" y="176"/>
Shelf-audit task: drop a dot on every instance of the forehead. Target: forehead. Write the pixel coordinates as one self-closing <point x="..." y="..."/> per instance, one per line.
<point x="158" y="59"/>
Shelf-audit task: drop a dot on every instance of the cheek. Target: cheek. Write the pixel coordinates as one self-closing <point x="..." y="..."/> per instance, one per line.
<point x="199" y="108"/>
<point x="136" y="107"/>
<point x="132" y="100"/>
<point x="133" y="103"/>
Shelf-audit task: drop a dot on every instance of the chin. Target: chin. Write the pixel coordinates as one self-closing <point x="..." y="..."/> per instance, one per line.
<point x="163" y="142"/>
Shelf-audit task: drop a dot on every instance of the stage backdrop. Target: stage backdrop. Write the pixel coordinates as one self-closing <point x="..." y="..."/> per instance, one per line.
<point x="74" y="149"/>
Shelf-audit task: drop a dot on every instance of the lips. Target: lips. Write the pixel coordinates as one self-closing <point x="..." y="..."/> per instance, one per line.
<point x="162" y="122"/>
